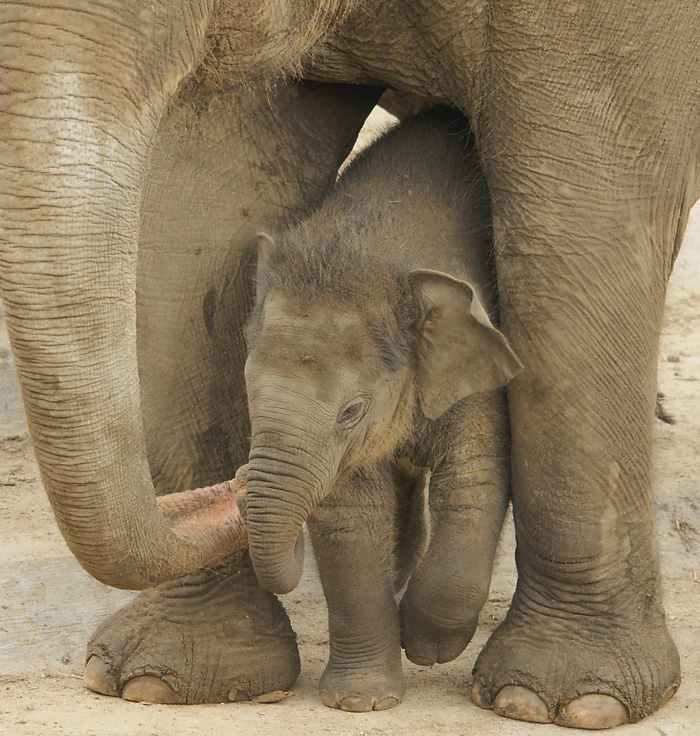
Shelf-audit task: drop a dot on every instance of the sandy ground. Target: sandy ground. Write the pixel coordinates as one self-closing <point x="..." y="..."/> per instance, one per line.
<point x="49" y="606"/>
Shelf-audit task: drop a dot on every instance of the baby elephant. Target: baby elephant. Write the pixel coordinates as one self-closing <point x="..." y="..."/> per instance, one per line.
<point x="372" y="360"/>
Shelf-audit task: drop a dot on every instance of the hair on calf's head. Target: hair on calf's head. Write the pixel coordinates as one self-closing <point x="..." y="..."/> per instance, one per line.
<point x="332" y="261"/>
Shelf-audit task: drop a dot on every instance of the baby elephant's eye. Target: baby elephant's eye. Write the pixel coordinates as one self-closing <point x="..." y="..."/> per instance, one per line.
<point x="352" y="413"/>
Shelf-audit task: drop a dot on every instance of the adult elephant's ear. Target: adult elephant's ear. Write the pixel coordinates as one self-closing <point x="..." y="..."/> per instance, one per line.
<point x="460" y="351"/>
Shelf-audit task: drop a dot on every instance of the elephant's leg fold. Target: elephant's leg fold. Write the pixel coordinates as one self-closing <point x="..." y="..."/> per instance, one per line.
<point x="211" y="637"/>
<point x="587" y="206"/>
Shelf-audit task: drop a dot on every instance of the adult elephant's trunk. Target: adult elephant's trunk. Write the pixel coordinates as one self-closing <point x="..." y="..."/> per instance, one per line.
<point x="81" y="98"/>
<point x="285" y="481"/>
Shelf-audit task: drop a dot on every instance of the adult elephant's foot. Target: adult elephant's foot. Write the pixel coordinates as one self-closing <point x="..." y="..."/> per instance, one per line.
<point x="579" y="670"/>
<point x="211" y="637"/>
<point x="363" y="687"/>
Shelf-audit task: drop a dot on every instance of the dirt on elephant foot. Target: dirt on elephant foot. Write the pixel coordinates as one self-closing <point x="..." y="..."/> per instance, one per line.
<point x="212" y="637"/>
<point x="576" y="672"/>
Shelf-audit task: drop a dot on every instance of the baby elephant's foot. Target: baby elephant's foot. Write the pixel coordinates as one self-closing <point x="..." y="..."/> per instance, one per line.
<point x="363" y="688"/>
<point x="433" y="632"/>
<point x="211" y="637"/>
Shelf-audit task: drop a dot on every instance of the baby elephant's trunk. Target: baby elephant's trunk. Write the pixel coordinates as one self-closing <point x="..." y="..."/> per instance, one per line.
<point x="281" y="495"/>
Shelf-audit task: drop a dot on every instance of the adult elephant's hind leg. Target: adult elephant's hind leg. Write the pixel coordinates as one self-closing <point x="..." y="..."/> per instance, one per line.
<point x="223" y="168"/>
<point x="585" y="234"/>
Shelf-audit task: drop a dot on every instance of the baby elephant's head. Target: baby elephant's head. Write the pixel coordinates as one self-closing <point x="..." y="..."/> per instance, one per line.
<point x="343" y="355"/>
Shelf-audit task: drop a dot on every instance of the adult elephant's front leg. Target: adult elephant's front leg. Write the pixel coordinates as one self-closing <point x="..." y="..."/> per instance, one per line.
<point x="585" y="235"/>
<point x="583" y="308"/>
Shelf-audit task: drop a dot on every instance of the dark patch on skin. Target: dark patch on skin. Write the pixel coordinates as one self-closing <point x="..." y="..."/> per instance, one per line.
<point x="209" y="310"/>
<point x="351" y="353"/>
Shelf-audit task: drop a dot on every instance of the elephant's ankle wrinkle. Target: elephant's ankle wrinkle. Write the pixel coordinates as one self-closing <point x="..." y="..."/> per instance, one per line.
<point x="447" y="627"/>
<point x="573" y="597"/>
<point x="348" y="655"/>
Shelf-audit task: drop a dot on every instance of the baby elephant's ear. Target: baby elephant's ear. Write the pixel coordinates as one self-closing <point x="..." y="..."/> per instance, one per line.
<point x="461" y="351"/>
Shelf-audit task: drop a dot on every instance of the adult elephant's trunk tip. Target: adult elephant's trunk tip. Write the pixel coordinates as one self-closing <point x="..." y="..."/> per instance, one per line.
<point x="215" y="513"/>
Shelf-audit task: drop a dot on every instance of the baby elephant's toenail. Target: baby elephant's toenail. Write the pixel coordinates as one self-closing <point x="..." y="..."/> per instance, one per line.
<point x="593" y="710"/>
<point x="480" y="695"/>
<point x="328" y="700"/>
<point x="355" y="704"/>
<point x="521" y="703"/>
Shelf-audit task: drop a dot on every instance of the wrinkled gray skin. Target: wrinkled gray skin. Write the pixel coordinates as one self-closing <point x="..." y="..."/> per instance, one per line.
<point x="127" y="142"/>
<point x="372" y="354"/>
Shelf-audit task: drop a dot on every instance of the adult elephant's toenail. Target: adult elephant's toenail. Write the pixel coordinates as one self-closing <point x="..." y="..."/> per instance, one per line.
<point x="386" y="703"/>
<point x="593" y="710"/>
<point x="521" y="703"/>
<point x="668" y="694"/>
<point x="149" y="689"/>
<point x="328" y="700"/>
<point x="481" y="695"/>
<point x="355" y="704"/>
<point x="98" y="678"/>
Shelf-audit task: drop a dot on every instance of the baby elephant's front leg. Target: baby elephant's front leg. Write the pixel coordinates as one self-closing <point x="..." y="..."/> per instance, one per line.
<point x="469" y="493"/>
<point x="352" y="537"/>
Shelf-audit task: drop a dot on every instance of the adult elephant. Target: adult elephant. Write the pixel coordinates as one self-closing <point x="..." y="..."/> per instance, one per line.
<point x="131" y="143"/>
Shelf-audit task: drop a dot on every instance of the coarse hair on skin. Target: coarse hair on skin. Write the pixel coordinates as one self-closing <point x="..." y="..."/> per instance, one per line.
<point x="348" y="251"/>
<point x="248" y="42"/>
<point x="328" y="261"/>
